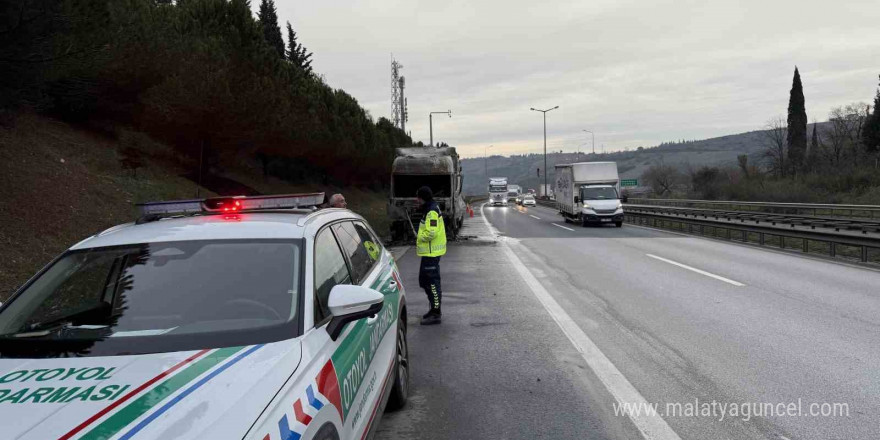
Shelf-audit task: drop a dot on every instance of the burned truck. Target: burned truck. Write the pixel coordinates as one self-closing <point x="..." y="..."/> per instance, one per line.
<point x="436" y="168"/>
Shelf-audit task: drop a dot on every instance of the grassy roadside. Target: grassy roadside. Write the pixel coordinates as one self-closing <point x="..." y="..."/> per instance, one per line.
<point x="60" y="184"/>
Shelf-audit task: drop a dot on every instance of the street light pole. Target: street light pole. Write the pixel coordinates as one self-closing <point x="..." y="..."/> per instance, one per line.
<point x="545" y="143"/>
<point x="431" y="122"/>
<point x="594" y="140"/>
<point x="486" y="160"/>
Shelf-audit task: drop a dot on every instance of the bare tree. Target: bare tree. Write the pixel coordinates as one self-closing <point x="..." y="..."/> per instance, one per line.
<point x="775" y="154"/>
<point x="836" y="138"/>
<point x="743" y="162"/>
<point x="845" y="136"/>
<point x="661" y="178"/>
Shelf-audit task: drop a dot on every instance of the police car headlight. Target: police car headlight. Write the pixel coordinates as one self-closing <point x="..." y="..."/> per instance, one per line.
<point x="587" y="206"/>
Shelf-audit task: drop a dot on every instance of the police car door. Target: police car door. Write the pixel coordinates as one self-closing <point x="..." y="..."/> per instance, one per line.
<point x="366" y="354"/>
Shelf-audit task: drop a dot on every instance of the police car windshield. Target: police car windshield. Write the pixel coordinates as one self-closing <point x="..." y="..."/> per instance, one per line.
<point x="158" y="297"/>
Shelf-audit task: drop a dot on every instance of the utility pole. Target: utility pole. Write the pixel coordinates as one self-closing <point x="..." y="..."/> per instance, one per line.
<point x="546" y="192"/>
<point x="431" y="122"/>
<point x="594" y="140"/>
<point x="486" y="160"/>
<point x="402" y="104"/>
<point x="397" y="117"/>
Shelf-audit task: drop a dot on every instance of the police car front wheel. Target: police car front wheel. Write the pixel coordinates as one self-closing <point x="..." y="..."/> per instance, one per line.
<point x="400" y="389"/>
<point x="327" y="432"/>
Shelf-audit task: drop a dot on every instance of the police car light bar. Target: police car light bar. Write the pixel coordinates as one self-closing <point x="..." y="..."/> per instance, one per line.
<point x="172" y="207"/>
<point x="231" y="204"/>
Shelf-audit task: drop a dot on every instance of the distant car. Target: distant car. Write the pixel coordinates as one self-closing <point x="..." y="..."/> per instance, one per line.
<point x="519" y="200"/>
<point x="528" y="201"/>
<point x="218" y="318"/>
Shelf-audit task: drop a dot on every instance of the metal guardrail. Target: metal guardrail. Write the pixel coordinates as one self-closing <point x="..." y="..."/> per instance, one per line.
<point x="844" y="245"/>
<point x="544" y="202"/>
<point x="815" y="209"/>
<point x="813" y="222"/>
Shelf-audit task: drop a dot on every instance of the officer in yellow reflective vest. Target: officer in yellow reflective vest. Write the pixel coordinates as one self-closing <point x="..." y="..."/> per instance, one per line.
<point x="430" y="245"/>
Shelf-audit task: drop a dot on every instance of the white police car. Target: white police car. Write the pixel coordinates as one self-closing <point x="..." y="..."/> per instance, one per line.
<point x="226" y="318"/>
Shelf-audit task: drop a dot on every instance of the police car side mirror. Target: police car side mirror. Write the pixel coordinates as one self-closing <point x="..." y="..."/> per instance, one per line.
<point x="577" y="199"/>
<point x="348" y="303"/>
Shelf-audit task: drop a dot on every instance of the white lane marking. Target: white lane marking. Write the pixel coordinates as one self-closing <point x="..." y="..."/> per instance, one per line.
<point x="701" y="272"/>
<point x="651" y="426"/>
<point x="492" y="229"/>
<point x="563" y="227"/>
<point x="535" y="217"/>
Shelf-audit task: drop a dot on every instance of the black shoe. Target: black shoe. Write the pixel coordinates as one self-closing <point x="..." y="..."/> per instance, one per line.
<point x="432" y="311"/>
<point x="431" y="318"/>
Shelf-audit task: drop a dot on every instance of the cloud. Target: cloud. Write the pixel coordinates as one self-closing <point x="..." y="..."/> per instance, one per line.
<point x="634" y="72"/>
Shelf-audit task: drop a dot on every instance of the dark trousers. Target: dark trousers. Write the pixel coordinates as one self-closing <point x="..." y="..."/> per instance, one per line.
<point x="429" y="279"/>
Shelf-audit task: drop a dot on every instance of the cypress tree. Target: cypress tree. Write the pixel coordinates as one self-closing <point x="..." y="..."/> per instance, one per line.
<point x="269" y="21"/>
<point x="871" y="133"/>
<point x="813" y="153"/>
<point x="796" y="137"/>
<point x="296" y="52"/>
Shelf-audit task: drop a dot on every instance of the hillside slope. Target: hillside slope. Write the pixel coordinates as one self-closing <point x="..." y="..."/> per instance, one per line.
<point x="522" y="169"/>
<point x="60" y="184"/>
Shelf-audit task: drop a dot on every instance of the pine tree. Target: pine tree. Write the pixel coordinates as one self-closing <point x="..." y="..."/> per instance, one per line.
<point x="871" y="133"/>
<point x="268" y="16"/>
<point x="797" y="124"/>
<point x="296" y="52"/>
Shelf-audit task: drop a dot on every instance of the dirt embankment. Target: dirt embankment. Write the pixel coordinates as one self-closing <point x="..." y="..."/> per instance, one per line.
<point x="60" y="184"/>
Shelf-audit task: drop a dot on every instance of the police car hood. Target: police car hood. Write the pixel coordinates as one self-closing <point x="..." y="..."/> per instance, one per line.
<point x="212" y="393"/>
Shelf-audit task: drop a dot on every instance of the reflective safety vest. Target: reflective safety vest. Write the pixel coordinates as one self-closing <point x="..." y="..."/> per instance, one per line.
<point x="431" y="241"/>
<point x="372" y="249"/>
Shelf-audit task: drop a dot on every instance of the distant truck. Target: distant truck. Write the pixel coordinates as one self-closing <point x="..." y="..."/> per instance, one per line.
<point x="545" y="191"/>
<point x="498" y="191"/>
<point x="513" y="193"/>
<point x="589" y="192"/>
<point x="436" y="168"/>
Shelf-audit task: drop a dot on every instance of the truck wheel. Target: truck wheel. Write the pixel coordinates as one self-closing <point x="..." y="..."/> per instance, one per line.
<point x="618" y="224"/>
<point x="567" y="220"/>
<point x="584" y="222"/>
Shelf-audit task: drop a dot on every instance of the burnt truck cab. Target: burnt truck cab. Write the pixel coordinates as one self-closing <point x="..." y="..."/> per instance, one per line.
<point x="436" y="168"/>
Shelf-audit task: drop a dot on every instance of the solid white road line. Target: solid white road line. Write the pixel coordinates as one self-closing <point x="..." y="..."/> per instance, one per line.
<point x="535" y="217"/>
<point x="492" y="229"/>
<point x="701" y="272"/>
<point x="563" y="227"/>
<point x="651" y="426"/>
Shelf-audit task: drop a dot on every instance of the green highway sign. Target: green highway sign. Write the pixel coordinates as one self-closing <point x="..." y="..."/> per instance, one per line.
<point x="629" y="182"/>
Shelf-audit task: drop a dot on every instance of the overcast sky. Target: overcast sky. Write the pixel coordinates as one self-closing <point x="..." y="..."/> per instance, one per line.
<point x="634" y="72"/>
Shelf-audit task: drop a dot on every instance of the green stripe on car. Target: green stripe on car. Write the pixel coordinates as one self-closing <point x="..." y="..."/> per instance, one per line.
<point x="131" y="412"/>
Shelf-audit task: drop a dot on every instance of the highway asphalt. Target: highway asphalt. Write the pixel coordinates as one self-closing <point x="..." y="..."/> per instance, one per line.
<point x="684" y="322"/>
<point x="497" y="367"/>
